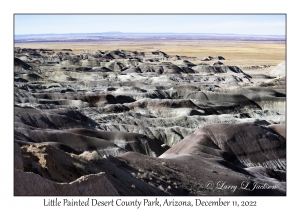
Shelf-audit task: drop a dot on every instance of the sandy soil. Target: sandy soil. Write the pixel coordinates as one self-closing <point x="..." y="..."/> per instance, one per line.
<point x="242" y="53"/>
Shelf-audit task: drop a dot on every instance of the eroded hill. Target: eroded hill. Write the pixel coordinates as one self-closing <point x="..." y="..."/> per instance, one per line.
<point x="154" y="124"/>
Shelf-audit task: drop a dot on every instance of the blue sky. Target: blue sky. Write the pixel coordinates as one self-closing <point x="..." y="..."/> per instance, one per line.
<point x="222" y="24"/>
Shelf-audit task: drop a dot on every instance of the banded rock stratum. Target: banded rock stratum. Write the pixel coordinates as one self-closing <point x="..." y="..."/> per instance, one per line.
<point x="146" y="123"/>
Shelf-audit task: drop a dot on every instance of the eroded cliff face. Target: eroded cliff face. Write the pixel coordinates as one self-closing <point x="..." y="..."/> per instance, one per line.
<point x="136" y="123"/>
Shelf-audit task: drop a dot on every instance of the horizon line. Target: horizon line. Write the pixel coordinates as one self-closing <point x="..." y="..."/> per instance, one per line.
<point x="119" y="32"/>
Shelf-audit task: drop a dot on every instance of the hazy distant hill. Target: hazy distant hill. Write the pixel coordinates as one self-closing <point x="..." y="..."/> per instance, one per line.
<point x="116" y="35"/>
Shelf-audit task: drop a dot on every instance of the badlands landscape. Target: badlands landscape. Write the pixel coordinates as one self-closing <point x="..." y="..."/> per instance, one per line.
<point x="119" y="118"/>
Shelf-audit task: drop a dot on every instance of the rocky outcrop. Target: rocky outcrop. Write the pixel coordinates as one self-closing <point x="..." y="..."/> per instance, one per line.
<point x="32" y="184"/>
<point x="208" y="58"/>
<point x="220" y="57"/>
